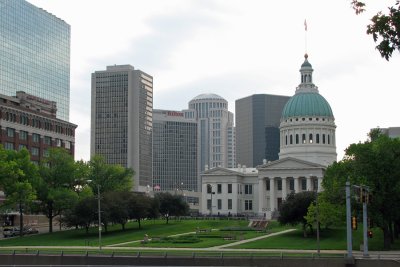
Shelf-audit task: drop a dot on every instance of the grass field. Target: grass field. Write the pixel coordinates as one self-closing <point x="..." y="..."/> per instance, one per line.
<point x="158" y="230"/>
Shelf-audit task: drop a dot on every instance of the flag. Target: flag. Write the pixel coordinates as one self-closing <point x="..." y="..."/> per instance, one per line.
<point x="305" y="25"/>
<point x="157" y="187"/>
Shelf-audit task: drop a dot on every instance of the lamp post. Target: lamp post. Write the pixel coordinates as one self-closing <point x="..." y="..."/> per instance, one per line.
<point x="99" y="212"/>
<point x="317" y="217"/>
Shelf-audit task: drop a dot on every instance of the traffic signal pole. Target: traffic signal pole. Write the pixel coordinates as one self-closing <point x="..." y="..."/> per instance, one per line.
<point x="348" y="222"/>
<point x="365" y="227"/>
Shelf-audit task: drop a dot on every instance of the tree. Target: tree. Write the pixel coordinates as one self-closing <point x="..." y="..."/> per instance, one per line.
<point x="294" y="209"/>
<point x="83" y="214"/>
<point x="56" y="189"/>
<point x="139" y="207"/>
<point x="108" y="177"/>
<point x="115" y="208"/>
<point x="328" y="214"/>
<point x="385" y="28"/>
<point x="172" y="205"/>
<point x="18" y="175"/>
<point x="376" y="164"/>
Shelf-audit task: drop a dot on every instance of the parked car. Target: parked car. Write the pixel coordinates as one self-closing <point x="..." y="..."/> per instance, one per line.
<point x="28" y="230"/>
<point x="9" y="231"/>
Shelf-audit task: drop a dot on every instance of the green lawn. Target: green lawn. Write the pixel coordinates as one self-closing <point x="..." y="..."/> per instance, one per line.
<point x="115" y="235"/>
<point x="329" y="239"/>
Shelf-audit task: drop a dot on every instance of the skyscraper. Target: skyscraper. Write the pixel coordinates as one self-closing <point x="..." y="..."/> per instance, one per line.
<point x="257" y="128"/>
<point x="216" y="146"/>
<point x="175" y="159"/>
<point x="34" y="54"/>
<point x="121" y="121"/>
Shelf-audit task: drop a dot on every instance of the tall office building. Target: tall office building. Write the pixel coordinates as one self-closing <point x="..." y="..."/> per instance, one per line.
<point x="34" y="54"/>
<point x="175" y="159"/>
<point x="121" y="121"/>
<point x="257" y="128"/>
<point x="216" y="146"/>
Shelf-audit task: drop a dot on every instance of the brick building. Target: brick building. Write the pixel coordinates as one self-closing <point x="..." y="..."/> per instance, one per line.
<point x="29" y="121"/>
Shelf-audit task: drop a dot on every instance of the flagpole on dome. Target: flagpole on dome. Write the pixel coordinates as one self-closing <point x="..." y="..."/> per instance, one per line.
<point x="305" y="35"/>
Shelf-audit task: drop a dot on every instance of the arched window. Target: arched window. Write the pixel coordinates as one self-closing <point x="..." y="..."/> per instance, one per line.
<point x="291" y="139"/>
<point x="303" y="138"/>
<point x="329" y="139"/>
<point x="323" y="138"/>
<point x="286" y="140"/>
<point x="310" y="138"/>
<point x="297" y="138"/>
<point x="317" y="138"/>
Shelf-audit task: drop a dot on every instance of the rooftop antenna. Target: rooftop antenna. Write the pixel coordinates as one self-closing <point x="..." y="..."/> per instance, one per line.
<point x="305" y="35"/>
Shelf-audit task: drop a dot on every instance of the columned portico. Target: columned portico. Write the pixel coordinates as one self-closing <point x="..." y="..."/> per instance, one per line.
<point x="296" y="184"/>
<point x="261" y="195"/>
<point x="284" y="188"/>
<point x="272" y="194"/>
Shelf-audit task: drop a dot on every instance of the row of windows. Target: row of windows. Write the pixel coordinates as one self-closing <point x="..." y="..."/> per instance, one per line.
<point x="23" y="135"/>
<point x="248" y="204"/>
<point x="304" y="119"/>
<point x="326" y="139"/>
<point x="37" y="123"/>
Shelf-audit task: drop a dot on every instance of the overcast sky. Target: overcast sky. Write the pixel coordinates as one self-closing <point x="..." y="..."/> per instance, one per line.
<point x="234" y="48"/>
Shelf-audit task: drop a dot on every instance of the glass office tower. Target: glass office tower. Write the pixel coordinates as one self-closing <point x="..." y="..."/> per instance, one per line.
<point x="34" y="54"/>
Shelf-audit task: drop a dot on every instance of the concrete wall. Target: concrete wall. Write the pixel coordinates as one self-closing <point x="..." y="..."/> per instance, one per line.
<point x="42" y="260"/>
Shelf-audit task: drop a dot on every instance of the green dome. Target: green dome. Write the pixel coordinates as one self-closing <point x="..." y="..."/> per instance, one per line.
<point x="307" y="104"/>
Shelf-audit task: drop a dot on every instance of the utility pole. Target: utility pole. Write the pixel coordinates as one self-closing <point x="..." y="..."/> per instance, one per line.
<point x="348" y="222"/>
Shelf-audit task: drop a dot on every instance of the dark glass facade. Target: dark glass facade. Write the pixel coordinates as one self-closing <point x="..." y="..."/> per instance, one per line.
<point x="34" y="54"/>
<point x="257" y="128"/>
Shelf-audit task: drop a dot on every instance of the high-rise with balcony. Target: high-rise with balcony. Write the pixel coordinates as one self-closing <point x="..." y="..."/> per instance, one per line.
<point x="122" y="120"/>
<point x="34" y="54"/>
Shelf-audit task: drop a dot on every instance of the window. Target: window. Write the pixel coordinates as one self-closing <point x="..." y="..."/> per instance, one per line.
<point x="310" y="138"/>
<point x="10" y="132"/>
<point x="279" y="185"/>
<point x="35" y="151"/>
<point x="35" y="138"/>
<point x="20" y="147"/>
<point x="209" y="204"/>
<point x="219" y="204"/>
<point x="229" y="204"/>
<point x="267" y="185"/>
<point x="229" y="188"/>
<point x="209" y="189"/>
<point x="291" y="139"/>
<point x="219" y="188"/>
<point x="46" y="153"/>
<point x="303" y="184"/>
<point x="317" y="138"/>
<point x="47" y="140"/>
<point x="9" y="146"/>
<point x="58" y="142"/>
<point x="23" y="135"/>
<point x="323" y="138"/>
<point x="303" y="138"/>
<point x="297" y="138"/>
<point x="67" y="144"/>
<point x="291" y="184"/>
<point x="248" y="204"/>
<point x="248" y="189"/>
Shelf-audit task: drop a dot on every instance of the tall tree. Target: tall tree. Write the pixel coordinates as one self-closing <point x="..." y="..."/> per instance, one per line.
<point x="172" y="205"/>
<point x="139" y="206"/>
<point x="108" y="177"/>
<point x="19" y="173"/>
<point x="385" y="28"/>
<point x="376" y="164"/>
<point x="56" y="189"/>
<point x="294" y="209"/>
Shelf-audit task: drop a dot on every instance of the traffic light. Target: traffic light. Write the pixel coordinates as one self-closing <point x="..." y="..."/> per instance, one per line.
<point x="354" y="223"/>
<point x="370" y="234"/>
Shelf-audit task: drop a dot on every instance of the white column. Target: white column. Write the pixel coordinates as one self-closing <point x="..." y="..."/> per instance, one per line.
<point x="284" y="188"/>
<point x="319" y="184"/>
<point x="261" y="195"/>
<point x="308" y="183"/>
<point x="296" y="184"/>
<point x="272" y="194"/>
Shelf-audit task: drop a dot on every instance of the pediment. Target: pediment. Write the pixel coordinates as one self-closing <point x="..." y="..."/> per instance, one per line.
<point x="289" y="163"/>
<point x="220" y="171"/>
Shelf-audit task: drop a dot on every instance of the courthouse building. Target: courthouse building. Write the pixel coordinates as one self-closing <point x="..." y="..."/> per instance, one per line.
<point x="307" y="147"/>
